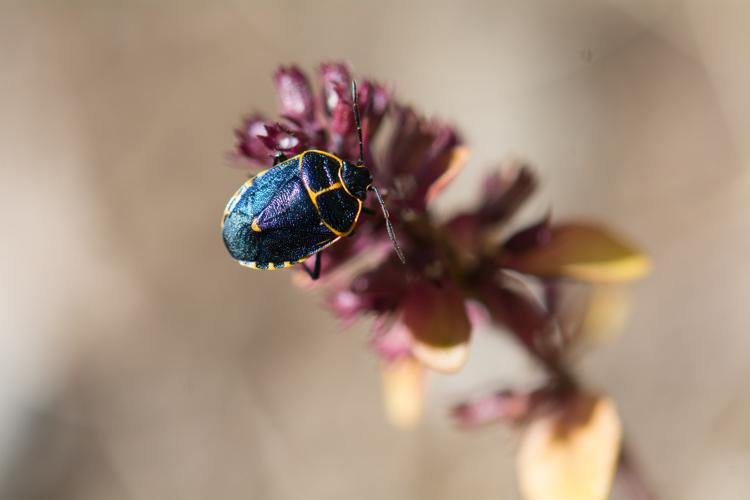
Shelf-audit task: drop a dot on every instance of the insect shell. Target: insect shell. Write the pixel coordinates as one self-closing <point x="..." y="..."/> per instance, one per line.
<point x="290" y="212"/>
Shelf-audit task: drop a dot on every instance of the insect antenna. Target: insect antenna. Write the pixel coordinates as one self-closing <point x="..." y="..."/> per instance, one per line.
<point x="361" y="161"/>
<point x="389" y="226"/>
<point x="355" y="108"/>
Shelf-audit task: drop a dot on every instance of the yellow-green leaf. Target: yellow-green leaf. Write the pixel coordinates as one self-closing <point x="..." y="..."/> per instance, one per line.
<point x="571" y="454"/>
<point x="583" y="252"/>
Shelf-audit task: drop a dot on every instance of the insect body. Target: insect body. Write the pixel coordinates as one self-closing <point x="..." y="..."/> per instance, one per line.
<point x="292" y="211"/>
<point x="297" y="208"/>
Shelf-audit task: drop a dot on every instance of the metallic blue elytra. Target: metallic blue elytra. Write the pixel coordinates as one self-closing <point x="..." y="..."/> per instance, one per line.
<point x="295" y="209"/>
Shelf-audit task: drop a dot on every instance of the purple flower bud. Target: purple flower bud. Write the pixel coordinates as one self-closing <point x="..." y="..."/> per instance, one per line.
<point x="335" y="77"/>
<point x="477" y="313"/>
<point x="249" y="145"/>
<point x="503" y="406"/>
<point x="505" y="192"/>
<point x="373" y="102"/>
<point x="282" y="139"/>
<point x="464" y="230"/>
<point x="419" y="153"/>
<point x="530" y="237"/>
<point x="437" y="158"/>
<point x="436" y="315"/>
<point x="409" y="143"/>
<point x="346" y="305"/>
<point x="342" y="114"/>
<point x="394" y="342"/>
<point x="382" y="288"/>
<point x="295" y="97"/>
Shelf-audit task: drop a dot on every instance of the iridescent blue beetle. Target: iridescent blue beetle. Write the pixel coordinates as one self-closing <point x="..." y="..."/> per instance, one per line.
<point x="298" y="207"/>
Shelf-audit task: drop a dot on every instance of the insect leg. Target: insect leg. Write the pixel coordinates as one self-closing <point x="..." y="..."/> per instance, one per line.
<point x="315" y="273"/>
<point x="278" y="158"/>
<point x="368" y="211"/>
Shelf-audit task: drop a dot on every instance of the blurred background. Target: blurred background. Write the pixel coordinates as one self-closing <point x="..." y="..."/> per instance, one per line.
<point x="138" y="361"/>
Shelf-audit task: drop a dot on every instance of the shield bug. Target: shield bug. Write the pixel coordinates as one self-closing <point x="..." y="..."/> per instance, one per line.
<point x="292" y="211"/>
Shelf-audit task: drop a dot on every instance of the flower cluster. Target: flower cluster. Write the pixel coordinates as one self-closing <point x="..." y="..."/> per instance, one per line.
<point x="453" y="266"/>
<point x="465" y="269"/>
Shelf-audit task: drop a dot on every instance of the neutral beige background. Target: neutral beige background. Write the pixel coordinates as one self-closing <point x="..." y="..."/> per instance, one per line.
<point x="140" y="362"/>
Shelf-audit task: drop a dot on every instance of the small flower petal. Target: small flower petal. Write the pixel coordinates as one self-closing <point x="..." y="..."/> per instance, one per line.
<point x="281" y="138"/>
<point x="445" y="359"/>
<point x="439" y="158"/>
<point x="533" y="236"/>
<point x="503" y="406"/>
<point x="374" y="100"/>
<point x="346" y="305"/>
<point x="381" y="289"/>
<point x="249" y="145"/>
<point x="295" y="97"/>
<point x="477" y="313"/>
<point x="437" y="319"/>
<point x="342" y="116"/>
<point x="455" y="164"/>
<point x="409" y="144"/>
<point x="403" y="391"/>
<point x="464" y="230"/>
<point x="607" y="312"/>
<point x="394" y="343"/>
<point x="335" y="78"/>
<point x="583" y="252"/>
<point x="505" y="192"/>
<point x="571" y="454"/>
